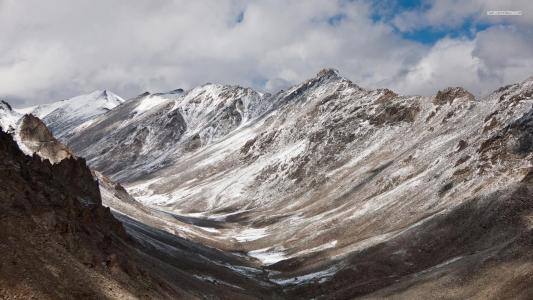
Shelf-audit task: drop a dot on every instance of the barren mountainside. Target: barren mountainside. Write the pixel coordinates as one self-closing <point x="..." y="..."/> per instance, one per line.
<point x="59" y="242"/>
<point x="325" y="190"/>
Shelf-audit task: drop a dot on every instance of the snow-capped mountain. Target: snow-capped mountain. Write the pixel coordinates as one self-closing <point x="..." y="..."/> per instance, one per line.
<point x="63" y="117"/>
<point x="70" y="206"/>
<point x="8" y="117"/>
<point x="31" y="134"/>
<point x="327" y="189"/>
<point x="312" y="180"/>
<point x="151" y="131"/>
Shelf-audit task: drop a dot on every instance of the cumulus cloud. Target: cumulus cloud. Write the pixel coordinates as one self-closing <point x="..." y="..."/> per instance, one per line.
<point x="497" y="56"/>
<point x="446" y="14"/>
<point x="60" y="48"/>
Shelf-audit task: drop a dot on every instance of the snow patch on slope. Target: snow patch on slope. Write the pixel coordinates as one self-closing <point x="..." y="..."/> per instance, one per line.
<point x="268" y="256"/>
<point x="149" y="102"/>
<point x="80" y="106"/>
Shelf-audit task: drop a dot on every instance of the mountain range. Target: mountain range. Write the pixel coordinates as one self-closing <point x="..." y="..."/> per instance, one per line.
<point x="326" y="190"/>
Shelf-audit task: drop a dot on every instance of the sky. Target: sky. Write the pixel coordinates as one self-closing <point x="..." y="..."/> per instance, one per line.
<point x="56" y="49"/>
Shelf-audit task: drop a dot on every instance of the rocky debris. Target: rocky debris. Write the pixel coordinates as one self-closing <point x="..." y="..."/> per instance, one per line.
<point x="139" y="139"/>
<point x="515" y="93"/>
<point x="462" y="160"/>
<point x="451" y="94"/>
<point x="387" y="96"/>
<point x="414" y="263"/>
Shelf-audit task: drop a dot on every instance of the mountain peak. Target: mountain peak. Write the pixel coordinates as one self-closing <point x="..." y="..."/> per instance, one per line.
<point x="142" y="95"/>
<point x="63" y="116"/>
<point x="177" y="91"/>
<point x="328" y="72"/>
<point x="448" y="95"/>
<point x="108" y="95"/>
<point x="5" y="106"/>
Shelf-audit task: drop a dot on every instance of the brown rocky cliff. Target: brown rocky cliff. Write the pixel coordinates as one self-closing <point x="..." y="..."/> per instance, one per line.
<point x="39" y="139"/>
<point x="58" y="241"/>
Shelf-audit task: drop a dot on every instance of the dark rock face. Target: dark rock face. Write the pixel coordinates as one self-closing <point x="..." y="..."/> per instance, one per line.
<point x="395" y="113"/>
<point x="58" y="241"/>
<point x="5" y="105"/>
<point x="522" y="129"/>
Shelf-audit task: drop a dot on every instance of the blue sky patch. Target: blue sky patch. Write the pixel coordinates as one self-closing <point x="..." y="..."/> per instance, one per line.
<point x="385" y="11"/>
<point x="240" y="17"/>
<point x="431" y="35"/>
<point x="336" y="19"/>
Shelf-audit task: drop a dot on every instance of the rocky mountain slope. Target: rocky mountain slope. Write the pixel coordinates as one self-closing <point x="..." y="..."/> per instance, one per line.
<point x="330" y="190"/>
<point x="53" y="216"/>
<point x="58" y="241"/>
<point x="148" y="132"/>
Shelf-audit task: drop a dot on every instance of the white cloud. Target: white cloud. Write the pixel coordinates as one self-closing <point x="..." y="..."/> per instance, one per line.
<point x="60" y="48"/>
<point x="445" y="14"/>
<point x="497" y="56"/>
<point x="449" y="63"/>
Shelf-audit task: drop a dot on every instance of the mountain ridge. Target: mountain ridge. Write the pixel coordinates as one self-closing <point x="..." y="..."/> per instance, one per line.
<point x="333" y="190"/>
<point x="64" y="116"/>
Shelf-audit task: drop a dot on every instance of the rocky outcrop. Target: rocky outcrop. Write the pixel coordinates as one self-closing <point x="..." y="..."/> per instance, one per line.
<point x="36" y="136"/>
<point x="58" y="241"/>
<point x="451" y="94"/>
